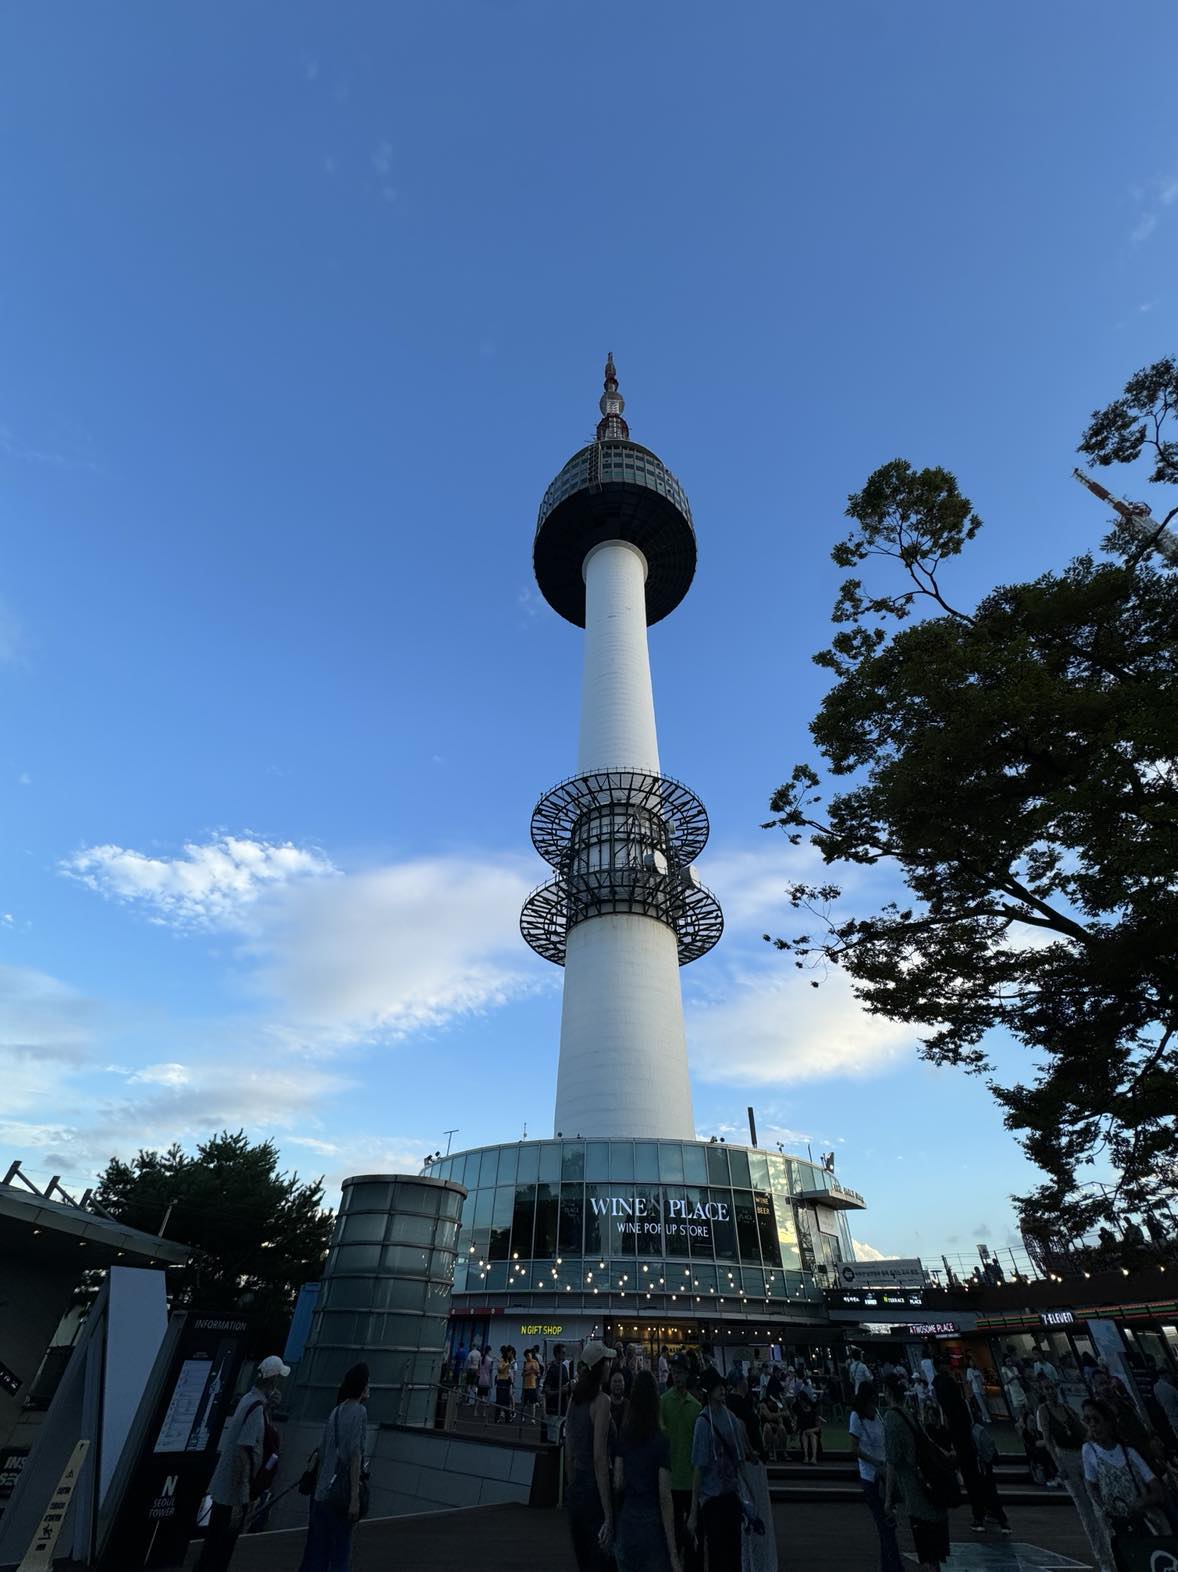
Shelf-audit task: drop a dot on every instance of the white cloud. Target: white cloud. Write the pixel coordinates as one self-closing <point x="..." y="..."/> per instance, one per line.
<point x="769" y="1027"/>
<point x="324" y="1148"/>
<point x="338" y="958"/>
<point x="210" y="883"/>
<point x="866" y="1252"/>
<point x="1153" y="199"/>
<point x="384" y="953"/>
<point x="382" y="158"/>
<point x="41" y="1019"/>
<point x="160" y="1075"/>
<point x="364" y="1154"/>
<point x="159" y="1106"/>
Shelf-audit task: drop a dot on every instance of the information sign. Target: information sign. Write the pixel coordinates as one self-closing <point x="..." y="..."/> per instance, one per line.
<point x="166" y="1468"/>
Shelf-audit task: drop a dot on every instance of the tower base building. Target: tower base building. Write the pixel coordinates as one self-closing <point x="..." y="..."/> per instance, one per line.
<point x="664" y="1243"/>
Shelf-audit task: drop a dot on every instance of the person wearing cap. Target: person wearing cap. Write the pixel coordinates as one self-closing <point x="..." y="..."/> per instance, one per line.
<point x="679" y="1412"/>
<point x="243" y="1443"/>
<point x="586" y="1460"/>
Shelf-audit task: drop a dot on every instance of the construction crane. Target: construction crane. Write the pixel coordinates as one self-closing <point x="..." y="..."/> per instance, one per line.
<point x="1136" y="518"/>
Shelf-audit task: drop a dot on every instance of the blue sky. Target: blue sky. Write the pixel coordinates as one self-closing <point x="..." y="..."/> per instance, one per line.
<point x="300" y="310"/>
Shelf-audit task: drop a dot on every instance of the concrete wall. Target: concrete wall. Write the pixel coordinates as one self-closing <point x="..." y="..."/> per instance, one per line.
<point x="417" y="1471"/>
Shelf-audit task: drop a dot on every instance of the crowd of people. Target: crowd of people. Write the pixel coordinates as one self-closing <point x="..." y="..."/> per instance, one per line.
<point x="665" y="1460"/>
<point x="924" y="1442"/>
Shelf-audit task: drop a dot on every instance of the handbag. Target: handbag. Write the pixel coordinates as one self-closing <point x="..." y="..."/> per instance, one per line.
<point x="310" y="1475"/>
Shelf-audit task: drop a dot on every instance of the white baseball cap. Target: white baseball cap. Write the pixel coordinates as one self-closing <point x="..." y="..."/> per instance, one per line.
<point x="593" y="1353"/>
<point x="271" y="1368"/>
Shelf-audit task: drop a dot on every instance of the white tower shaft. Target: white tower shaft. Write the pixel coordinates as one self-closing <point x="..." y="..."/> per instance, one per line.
<point x="623" y="1051"/>
<point x="617" y="700"/>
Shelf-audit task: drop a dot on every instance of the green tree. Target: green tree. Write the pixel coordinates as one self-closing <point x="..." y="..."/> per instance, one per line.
<point x="257" y="1234"/>
<point x="1015" y="764"/>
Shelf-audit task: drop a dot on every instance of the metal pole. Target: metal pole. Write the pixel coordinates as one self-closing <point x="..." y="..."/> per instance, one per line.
<point x="449" y="1134"/>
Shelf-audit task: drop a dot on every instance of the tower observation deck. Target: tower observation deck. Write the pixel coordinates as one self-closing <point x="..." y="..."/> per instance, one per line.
<point x="614" y="552"/>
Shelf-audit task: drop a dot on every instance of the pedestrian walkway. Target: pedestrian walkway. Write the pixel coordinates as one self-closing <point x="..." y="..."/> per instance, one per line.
<point x="811" y="1537"/>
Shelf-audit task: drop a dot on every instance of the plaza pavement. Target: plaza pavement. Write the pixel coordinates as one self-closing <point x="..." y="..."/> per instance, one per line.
<point x="811" y="1537"/>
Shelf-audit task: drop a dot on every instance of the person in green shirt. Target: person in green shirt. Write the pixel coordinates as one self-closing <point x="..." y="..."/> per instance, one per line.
<point x="679" y="1412"/>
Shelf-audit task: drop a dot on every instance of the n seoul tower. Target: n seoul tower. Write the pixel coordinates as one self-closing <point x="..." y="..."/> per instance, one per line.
<point x="615" y="552"/>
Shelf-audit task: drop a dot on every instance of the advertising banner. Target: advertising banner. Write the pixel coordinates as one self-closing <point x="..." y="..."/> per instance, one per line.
<point x="903" y="1273"/>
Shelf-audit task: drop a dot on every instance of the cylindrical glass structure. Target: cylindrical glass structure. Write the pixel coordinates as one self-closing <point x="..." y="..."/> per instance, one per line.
<point x="385" y="1297"/>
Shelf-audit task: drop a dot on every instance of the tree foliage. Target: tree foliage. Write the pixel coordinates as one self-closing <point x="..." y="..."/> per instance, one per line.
<point x="257" y="1234"/>
<point x="1015" y="762"/>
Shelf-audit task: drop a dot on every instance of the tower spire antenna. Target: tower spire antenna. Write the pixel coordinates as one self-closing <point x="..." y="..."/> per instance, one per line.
<point x="612" y="426"/>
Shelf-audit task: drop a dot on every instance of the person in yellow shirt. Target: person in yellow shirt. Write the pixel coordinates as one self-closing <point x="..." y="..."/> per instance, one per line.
<point x="531" y="1382"/>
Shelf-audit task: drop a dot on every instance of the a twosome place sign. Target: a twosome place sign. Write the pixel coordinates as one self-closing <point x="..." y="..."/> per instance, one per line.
<point x="934" y="1329"/>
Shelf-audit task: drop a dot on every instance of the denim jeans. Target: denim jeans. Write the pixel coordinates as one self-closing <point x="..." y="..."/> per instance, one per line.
<point x="329" y="1541"/>
<point x="889" y="1550"/>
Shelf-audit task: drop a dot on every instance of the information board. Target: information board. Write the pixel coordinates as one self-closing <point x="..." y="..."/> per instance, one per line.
<point x="166" y="1469"/>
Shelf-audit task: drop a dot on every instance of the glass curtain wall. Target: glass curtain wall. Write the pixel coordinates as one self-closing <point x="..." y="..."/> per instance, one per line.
<point x="690" y="1221"/>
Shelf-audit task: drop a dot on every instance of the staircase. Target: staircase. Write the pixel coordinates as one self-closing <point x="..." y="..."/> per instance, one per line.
<point x="836" y="1479"/>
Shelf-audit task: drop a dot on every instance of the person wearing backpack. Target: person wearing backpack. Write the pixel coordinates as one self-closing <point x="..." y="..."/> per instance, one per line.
<point x="919" y="1477"/>
<point x="246" y="1466"/>
<point x="1064" y="1434"/>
